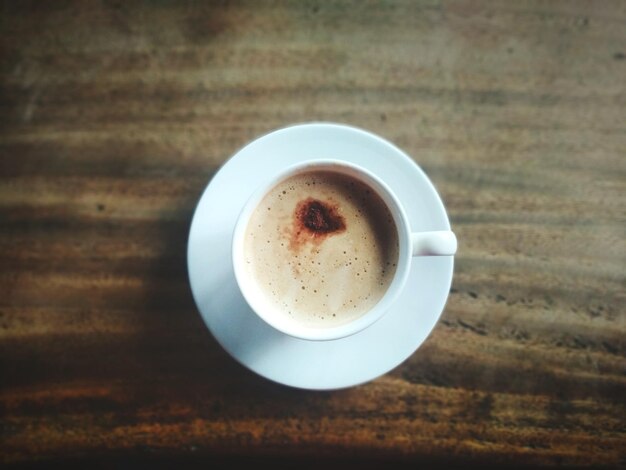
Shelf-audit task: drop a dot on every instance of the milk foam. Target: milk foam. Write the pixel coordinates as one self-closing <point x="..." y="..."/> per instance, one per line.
<point x="324" y="280"/>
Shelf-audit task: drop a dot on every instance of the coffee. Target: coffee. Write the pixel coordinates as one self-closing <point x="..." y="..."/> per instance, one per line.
<point x="322" y="247"/>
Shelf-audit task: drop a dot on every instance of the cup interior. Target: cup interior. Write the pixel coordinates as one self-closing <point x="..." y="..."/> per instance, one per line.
<point x="268" y="311"/>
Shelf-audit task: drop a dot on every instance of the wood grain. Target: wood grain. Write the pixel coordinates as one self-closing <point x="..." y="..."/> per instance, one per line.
<point x="115" y="115"/>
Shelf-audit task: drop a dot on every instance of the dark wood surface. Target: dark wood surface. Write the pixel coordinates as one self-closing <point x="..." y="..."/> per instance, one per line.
<point x="115" y="115"/>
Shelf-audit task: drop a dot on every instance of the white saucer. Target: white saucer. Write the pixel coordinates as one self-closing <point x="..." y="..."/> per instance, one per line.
<point x="319" y="365"/>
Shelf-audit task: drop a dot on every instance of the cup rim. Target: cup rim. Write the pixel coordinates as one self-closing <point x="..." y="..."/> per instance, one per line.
<point x="380" y="308"/>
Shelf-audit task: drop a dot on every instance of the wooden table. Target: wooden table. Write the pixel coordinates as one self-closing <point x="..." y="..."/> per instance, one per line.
<point x="113" y="118"/>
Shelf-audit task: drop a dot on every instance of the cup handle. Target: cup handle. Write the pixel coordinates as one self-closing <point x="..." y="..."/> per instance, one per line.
<point x="436" y="243"/>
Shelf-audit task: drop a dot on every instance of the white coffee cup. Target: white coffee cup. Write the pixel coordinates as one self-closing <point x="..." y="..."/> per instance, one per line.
<point x="410" y="244"/>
